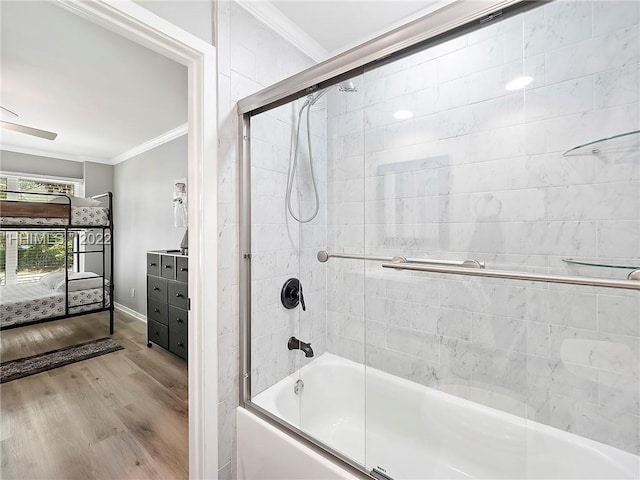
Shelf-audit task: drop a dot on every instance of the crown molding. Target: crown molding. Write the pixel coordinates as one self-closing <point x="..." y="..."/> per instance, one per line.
<point x="150" y="144"/>
<point x="61" y="156"/>
<point x="283" y="26"/>
<point x="137" y="150"/>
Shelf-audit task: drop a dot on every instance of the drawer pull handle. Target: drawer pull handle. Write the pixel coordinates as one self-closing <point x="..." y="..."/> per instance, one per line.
<point x="156" y="310"/>
<point x="180" y="344"/>
<point x="156" y="289"/>
<point x="179" y="295"/>
<point x="167" y="266"/>
<point x="179" y="320"/>
<point x="184" y="269"/>
<point x="152" y="264"/>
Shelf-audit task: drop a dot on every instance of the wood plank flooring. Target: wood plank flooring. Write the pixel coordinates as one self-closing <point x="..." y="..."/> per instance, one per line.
<point x="118" y="416"/>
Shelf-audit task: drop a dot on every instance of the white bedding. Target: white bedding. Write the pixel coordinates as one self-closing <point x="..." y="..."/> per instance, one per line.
<point x="82" y="216"/>
<point x="28" y="302"/>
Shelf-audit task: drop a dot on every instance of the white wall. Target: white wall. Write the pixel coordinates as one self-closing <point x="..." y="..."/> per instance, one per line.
<point x="250" y="56"/>
<point x="143" y="216"/>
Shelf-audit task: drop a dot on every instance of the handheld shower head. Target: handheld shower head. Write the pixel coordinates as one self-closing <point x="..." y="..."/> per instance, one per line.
<point x="347" y="86"/>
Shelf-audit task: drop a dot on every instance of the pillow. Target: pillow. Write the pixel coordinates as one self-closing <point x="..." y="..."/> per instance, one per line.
<point x="76" y="201"/>
<point x="80" y="281"/>
<point x="51" y="280"/>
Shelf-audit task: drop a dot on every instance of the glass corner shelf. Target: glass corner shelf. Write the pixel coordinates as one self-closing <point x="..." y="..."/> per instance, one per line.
<point x="617" y="143"/>
<point x="604" y="264"/>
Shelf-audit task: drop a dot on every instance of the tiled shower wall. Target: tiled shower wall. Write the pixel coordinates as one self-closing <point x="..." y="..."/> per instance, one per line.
<point x="280" y="246"/>
<point x="250" y="56"/>
<point x="479" y="172"/>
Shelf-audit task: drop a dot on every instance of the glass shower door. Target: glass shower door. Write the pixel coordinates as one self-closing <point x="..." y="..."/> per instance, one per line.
<point x="439" y="125"/>
<point x="333" y="404"/>
<point x="275" y="272"/>
<point x="470" y="166"/>
<point x="307" y="328"/>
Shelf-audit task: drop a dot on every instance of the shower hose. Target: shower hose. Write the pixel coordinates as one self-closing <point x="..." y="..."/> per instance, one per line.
<point x="293" y="164"/>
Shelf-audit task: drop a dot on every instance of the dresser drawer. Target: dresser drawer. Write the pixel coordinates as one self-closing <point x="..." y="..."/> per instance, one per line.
<point x="157" y="311"/>
<point x="178" y="318"/>
<point x="178" y="295"/>
<point x="157" y="288"/>
<point x="168" y="266"/>
<point x="158" y="333"/>
<point x="153" y="264"/>
<point x="178" y="338"/>
<point x="182" y="269"/>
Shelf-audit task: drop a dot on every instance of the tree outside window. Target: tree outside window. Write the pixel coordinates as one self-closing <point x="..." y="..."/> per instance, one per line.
<point x="27" y="255"/>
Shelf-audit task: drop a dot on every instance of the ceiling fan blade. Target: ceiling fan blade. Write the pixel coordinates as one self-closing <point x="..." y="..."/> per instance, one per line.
<point x="28" y="130"/>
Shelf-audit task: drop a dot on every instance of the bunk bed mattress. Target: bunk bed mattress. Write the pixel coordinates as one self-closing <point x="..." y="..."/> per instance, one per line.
<point x="30" y="302"/>
<point x="85" y="216"/>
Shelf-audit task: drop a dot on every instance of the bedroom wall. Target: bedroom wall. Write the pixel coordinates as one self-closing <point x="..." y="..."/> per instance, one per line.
<point x="98" y="178"/>
<point x="143" y="216"/>
<point x="13" y="162"/>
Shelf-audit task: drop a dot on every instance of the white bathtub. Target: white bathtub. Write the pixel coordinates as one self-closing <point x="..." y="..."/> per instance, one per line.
<point x="416" y="432"/>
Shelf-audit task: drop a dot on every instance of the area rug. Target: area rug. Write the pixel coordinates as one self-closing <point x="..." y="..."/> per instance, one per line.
<point x="23" y="367"/>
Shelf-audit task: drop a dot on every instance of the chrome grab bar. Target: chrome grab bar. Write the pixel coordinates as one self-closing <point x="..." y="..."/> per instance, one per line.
<point x="323" y="256"/>
<point x="633" y="283"/>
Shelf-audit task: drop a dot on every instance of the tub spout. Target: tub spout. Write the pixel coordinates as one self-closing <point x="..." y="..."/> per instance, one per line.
<point x="295" y="344"/>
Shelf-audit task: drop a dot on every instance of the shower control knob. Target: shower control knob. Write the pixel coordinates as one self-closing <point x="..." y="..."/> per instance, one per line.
<point x="291" y="294"/>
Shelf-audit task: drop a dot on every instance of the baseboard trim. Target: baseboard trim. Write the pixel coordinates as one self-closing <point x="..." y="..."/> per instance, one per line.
<point x="129" y="311"/>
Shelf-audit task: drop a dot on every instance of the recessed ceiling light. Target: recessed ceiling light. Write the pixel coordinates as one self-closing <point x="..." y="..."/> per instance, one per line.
<point x="518" y="83"/>
<point x="403" y="114"/>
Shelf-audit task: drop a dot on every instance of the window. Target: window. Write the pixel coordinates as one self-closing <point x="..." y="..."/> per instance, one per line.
<point x="27" y="255"/>
<point x="34" y="187"/>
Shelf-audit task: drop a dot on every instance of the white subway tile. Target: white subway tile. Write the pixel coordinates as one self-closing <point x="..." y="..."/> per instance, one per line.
<point x="617" y="87"/>
<point x="575" y="238"/>
<point x="555" y="25"/>
<point x="610" y="15"/>
<point x="617" y="49"/>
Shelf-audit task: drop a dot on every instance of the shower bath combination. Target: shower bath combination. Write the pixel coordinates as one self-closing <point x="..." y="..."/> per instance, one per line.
<point x="472" y="274"/>
<point x="312" y="98"/>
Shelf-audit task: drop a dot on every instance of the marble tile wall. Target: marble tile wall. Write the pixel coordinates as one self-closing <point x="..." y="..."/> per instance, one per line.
<point x="479" y="172"/>
<point x="281" y="246"/>
<point x="251" y="56"/>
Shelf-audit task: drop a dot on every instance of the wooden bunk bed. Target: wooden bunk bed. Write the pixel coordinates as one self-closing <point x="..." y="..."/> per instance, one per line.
<point x="61" y="294"/>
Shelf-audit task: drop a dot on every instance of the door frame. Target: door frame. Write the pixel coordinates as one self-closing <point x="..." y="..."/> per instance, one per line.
<point x="149" y="30"/>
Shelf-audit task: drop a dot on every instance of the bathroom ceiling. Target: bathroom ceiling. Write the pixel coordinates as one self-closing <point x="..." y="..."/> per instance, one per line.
<point x="101" y="93"/>
<point x="336" y="26"/>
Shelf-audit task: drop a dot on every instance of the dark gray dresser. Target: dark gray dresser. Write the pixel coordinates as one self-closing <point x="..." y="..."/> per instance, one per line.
<point x="168" y="300"/>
